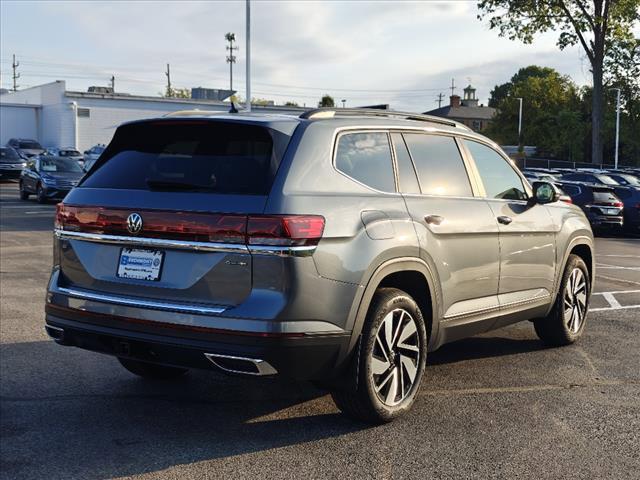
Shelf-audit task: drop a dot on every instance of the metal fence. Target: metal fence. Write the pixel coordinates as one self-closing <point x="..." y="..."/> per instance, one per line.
<point x="548" y="163"/>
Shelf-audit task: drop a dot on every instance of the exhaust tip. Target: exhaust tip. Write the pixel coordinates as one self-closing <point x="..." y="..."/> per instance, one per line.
<point x="243" y="365"/>
<point x="55" y="333"/>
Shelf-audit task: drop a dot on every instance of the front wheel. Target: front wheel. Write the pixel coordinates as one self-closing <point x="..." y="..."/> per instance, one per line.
<point x="40" y="195"/>
<point x="151" y="370"/>
<point x="23" y="194"/>
<point x="566" y="322"/>
<point x="389" y="360"/>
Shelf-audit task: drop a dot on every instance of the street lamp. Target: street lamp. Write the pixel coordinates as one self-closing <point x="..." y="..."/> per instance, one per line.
<point x="344" y="101"/>
<point x="617" y="124"/>
<point x="519" y="122"/>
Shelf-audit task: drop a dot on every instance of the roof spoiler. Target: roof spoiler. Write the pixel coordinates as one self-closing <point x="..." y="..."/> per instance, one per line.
<point x="333" y="112"/>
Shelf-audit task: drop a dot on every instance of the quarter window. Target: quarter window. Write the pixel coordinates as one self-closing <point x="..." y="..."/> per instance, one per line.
<point x="499" y="178"/>
<point x="366" y="157"/>
<point x="439" y="164"/>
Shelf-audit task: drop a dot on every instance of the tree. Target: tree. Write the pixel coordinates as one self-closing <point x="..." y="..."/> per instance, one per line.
<point x="176" y="93"/>
<point x="291" y="104"/>
<point x="597" y="25"/>
<point x="326" y="101"/>
<point x="553" y="120"/>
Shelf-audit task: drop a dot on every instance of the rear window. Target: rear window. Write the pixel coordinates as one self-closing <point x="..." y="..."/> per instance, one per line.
<point x="601" y="196"/>
<point x="219" y="157"/>
<point x="48" y="164"/>
<point x="30" y="145"/>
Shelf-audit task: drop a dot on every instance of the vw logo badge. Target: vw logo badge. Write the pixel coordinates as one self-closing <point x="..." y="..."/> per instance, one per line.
<point x="134" y="223"/>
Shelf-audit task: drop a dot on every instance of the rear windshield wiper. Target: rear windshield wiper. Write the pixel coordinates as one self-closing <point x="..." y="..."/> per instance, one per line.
<point x="165" y="184"/>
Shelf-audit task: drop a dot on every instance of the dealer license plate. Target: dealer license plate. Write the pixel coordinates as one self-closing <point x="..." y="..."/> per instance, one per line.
<point x="140" y="264"/>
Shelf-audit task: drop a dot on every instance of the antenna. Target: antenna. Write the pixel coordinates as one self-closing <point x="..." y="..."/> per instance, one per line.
<point x="16" y="76"/>
<point x="440" y="97"/>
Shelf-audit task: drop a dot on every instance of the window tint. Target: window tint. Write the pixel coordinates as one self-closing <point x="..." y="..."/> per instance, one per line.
<point x="407" y="179"/>
<point x="571" y="189"/>
<point x="366" y="157"/>
<point x="441" y="170"/>
<point x="499" y="178"/>
<point x="8" y="154"/>
<point x="216" y="157"/>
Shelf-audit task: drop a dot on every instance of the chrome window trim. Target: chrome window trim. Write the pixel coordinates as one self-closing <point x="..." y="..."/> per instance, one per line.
<point x="140" y="303"/>
<point x="277" y="250"/>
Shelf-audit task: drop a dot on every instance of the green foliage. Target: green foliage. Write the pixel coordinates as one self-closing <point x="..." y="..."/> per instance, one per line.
<point x="327" y="101"/>
<point x="291" y="104"/>
<point x="602" y="27"/>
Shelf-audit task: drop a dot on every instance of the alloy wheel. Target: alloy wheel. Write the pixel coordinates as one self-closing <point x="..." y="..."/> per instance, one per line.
<point x="575" y="301"/>
<point x="395" y="357"/>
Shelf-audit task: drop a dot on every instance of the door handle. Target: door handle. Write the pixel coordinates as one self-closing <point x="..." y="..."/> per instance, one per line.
<point x="503" y="219"/>
<point x="434" y="219"/>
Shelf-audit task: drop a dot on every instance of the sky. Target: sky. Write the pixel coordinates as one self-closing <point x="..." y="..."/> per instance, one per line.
<point x="366" y="52"/>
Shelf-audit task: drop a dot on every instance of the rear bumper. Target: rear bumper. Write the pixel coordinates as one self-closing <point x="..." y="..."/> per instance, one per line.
<point x="55" y="192"/>
<point x="605" y="221"/>
<point x="299" y="356"/>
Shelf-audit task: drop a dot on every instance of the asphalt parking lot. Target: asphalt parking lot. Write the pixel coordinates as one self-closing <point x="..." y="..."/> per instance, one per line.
<point x="500" y="405"/>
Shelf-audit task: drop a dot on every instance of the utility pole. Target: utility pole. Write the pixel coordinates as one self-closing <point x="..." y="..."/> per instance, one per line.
<point x="231" y="58"/>
<point x="453" y="86"/>
<point x="520" y="123"/>
<point x="440" y="98"/>
<point x="248" y="34"/>
<point x="617" y="125"/>
<point x="113" y="83"/>
<point x="16" y="76"/>
<point x="169" y="90"/>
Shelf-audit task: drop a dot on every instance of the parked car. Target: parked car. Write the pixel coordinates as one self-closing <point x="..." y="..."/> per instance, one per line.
<point x="535" y="176"/>
<point x="590" y="177"/>
<point x="67" y="152"/>
<point x="599" y="203"/>
<point x="93" y="153"/>
<point x="49" y="178"/>
<point x="25" y="147"/>
<point x="625" y="179"/>
<point x="341" y="246"/>
<point x="11" y="164"/>
<point x="630" y="197"/>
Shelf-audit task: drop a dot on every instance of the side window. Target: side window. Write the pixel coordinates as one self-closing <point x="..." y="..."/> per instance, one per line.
<point x="499" y="178"/>
<point x="407" y="180"/>
<point x="441" y="170"/>
<point x="366" y="157"/>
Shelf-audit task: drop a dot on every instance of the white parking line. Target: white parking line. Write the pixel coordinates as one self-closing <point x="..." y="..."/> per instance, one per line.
<point x="614" y="267"/>
<point x="614" y="304"/>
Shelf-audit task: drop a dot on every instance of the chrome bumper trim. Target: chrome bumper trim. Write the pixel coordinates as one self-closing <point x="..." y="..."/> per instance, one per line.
<point x="140" y="303"/>
<point x="262" y="367"/>
<point x="295" y="251"/>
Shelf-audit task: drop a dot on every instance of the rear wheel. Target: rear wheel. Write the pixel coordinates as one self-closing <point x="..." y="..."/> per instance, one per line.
<point x="389" y="361"/>
<point x="23" y="194"/>
<point x="566" y="322"/>
<point x="151" y="370"/>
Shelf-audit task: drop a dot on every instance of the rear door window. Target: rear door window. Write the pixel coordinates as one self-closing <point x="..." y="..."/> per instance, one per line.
<point x="440" y="167"/>
<point x="366" y="157"/>
<point x="210" y="156"/>
<point x="499" y="178"/>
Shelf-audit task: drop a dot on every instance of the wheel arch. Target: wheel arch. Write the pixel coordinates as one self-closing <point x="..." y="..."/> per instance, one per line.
<point x="583" y="247"/>
<point x="409" y="274"/>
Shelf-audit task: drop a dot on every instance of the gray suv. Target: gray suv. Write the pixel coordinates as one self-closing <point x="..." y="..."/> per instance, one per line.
<point x="340" y="247"/>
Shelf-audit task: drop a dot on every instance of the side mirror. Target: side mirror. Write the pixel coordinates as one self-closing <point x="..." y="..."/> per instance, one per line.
<point x="545" y="192"/>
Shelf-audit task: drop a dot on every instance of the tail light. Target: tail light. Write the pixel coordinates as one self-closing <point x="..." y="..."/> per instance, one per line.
<point x="277" y="230"/>
<point x="565" y="199"/>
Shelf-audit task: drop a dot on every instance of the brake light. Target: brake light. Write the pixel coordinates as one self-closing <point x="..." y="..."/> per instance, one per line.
<point x="286" y="230"/>
<point x="277" y="230"/>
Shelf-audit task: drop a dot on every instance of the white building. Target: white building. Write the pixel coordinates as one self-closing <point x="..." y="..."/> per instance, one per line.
<point x="57" y="117"/>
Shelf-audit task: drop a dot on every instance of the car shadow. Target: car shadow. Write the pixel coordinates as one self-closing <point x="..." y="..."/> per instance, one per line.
<point x="474" y="348"/>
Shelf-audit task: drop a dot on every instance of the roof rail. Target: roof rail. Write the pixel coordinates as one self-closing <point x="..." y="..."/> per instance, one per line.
<point x="332" y="112"/>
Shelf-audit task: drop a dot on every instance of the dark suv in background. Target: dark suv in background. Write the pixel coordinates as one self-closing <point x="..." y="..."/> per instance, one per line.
<point x="341" y="246"/>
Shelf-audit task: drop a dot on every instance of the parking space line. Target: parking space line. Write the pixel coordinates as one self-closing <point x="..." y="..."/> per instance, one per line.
<point x="621" y="307"/>
<point x="615" y="267"/>
<point x="614" y="279"/>
<point x="608" y="296"/>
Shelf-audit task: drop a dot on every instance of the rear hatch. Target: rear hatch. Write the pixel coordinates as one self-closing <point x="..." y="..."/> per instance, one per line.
<point x="163" y="213"/>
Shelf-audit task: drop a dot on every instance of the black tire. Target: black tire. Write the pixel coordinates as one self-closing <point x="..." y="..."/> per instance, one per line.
<point x="555" y="329"/>
<point x="357" y="396"/>
<point x="40" y="196"/>
<point x="151" y="370"/>
<point x="23" y="195"/>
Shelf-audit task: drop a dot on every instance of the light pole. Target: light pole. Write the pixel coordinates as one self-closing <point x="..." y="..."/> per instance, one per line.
<point x="520" y="123"/>
<point x="344" y="101"/>
<point x="617" y="124"/>
<point x="248" y="33"/>
<point x="231" y="58"/>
